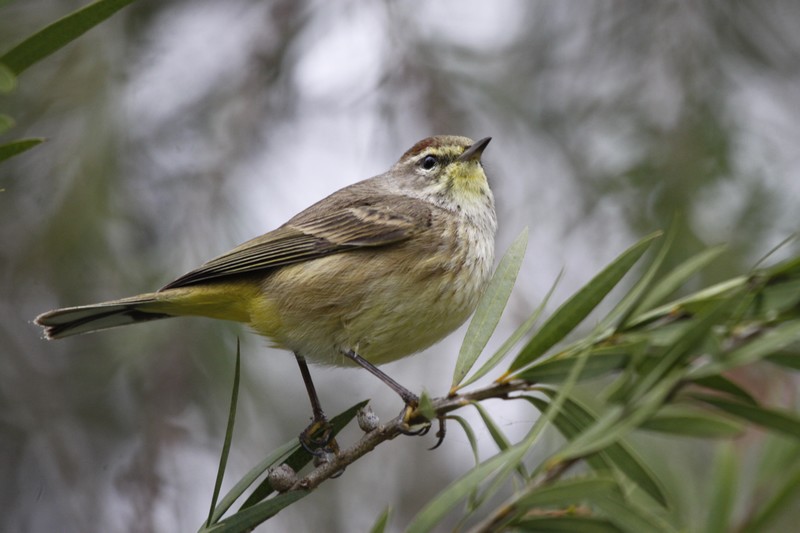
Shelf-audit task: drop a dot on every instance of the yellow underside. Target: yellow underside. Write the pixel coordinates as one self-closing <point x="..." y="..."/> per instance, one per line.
<point x="324" y="307"/>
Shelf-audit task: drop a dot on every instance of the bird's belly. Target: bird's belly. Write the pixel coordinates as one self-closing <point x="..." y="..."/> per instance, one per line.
<point x="381" y="309"/>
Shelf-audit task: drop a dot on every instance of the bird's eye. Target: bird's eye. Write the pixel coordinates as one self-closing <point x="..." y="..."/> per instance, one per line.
<point x="429" y="162"/>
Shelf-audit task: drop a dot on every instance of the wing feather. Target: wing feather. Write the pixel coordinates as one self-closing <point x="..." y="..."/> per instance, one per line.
<point x="307" y="236"/>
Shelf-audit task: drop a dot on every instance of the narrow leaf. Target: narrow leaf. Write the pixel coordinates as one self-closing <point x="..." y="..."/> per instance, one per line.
<point x="6" y="123"/>
<point x="13" y="148"/>
<point x="576" y="418"/>
<point x="786" y="496"/>
<point x="8" y="81"/>
<point x="61" y="32"/>
<point x="726" y="386"/>
<point x="629" y="516"/>
<point x="677" y="277"/>
<point x="490" y="307"/>
<point x="473" y="441"/>
<point x="631" y="301"/>
<point x="690" y="303"/>
<point x="786" y="358"/>
<point x="443" y="503"/>
<point x="276" y="457"/>
<point x="548" y="414"/>
<point x="683" y="346"/>
<point x="766" y="344"/>
<point x="579" y="305"/>
<point x="247" y="519"/>
<point x="301" y="457"/>
<point x="556" y="370"/>
<point x="503" y="463"/>
<point x="425" y="406"/>
<point x="565" y="524"/>
<point x="772" y="419"/>
<point x="497" y="434"/>
<point x="789" y="267"/>
<point x="382" y="521"/>
<point x="515" y="337"/>
<point x="692" y="423"/>
<point x="617" y="421"/>
<point x="723" y="485"/>
<point x="565" y="493"/>
<point x="226" y="447"/>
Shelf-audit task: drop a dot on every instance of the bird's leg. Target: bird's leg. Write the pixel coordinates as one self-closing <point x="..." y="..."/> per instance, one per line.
<point x="409" y="398"/>
<point x="317" y="438"/>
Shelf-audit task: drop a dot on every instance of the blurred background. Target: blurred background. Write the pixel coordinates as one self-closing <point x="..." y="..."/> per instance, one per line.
<point x="179" y="129"/>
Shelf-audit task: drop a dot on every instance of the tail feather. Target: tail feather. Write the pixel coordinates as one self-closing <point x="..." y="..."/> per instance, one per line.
<point x="87" y="318"/>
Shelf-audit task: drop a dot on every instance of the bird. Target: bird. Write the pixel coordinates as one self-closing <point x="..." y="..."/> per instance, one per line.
<point x="377" y="271"/>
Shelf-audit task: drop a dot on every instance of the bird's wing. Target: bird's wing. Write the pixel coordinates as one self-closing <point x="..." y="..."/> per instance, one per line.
<point x="309" y="236"/>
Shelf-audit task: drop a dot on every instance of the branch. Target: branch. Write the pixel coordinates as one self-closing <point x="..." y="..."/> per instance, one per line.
<point x="399" y="426"/>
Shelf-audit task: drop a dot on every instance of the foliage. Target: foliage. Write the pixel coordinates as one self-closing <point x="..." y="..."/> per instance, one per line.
<point x="678" y="162"/>
<point x="40" y="45"/>
<point x="662" y="366"/>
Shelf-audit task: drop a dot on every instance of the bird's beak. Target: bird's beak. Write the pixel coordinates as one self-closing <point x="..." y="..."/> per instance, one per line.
<point x="473" y="153"/>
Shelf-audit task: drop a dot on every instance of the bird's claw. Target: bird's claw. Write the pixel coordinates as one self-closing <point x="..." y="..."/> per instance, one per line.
<point x="441" y="433"/>
<point x="318" y="440"/>
<point x="414" y="424"/>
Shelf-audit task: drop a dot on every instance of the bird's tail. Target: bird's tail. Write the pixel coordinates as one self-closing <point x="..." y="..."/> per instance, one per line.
<point x="226" y="301"/>
<point x="86" y="318"/>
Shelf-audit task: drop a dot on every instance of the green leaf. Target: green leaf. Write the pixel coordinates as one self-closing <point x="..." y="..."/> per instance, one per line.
<point x="301" y="457"/>
<point x="556" y="370"/>
<point x="565" y="493"/>
<point x="618" y="420"/>
<point x="226" y="447"/>
<point x="7" y="79"/>
<point x="785" y="358"/>
<point x="631" y="301"/>
<point x="692" y="423"/>
<point x="693" y="303"/>
<point x="575" y="418"/>
<point x="683" y="346"/>
<point x="726" y="386"/>
<point x="515" y="337"/>
<point x="6" y="123"/>
<point x="382" y="521"/>
<point x="629" y="516"/>
<point x="677" y="277"/>
<point x="490" y="307"/>
<point x="577" y="307"/>
<point x="497" y="434"/>
<point x="778" y="297"/>
<point x="13" y="148"/>
<point x="425" y="406"/>
<point x="58" y="34"/>
<point x="504" y="463"/>
<point x="766" y="344"/>
<point x="473" y="441"/>
<point x="247" y="519"/>
<point x="785" y="496"/>
<point x="789" y="267"/>
<point x="443" y="503"/>
<point x="276" y="457"/>
<point x="772" y="419"/>
<point x="548" y="414"/>
<point x="565" y="524"/>
<point x="723" y="485"/>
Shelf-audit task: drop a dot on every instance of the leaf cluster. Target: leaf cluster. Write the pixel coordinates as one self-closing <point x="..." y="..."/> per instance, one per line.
<point x="41" y="44"/>
<point x="663" y="365"/>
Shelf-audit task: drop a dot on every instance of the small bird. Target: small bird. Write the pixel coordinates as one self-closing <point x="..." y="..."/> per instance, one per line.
<point x="376" y="271"/>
